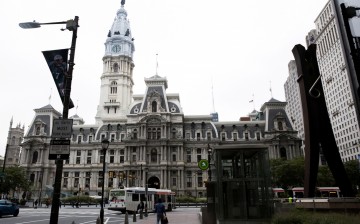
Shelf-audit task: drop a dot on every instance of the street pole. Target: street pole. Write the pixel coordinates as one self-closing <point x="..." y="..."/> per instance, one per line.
<point x="104" y="145"/>
<point x="54" y="216"/>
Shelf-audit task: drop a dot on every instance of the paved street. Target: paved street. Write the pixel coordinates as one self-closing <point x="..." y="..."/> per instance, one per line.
<point x="88" y="215"/>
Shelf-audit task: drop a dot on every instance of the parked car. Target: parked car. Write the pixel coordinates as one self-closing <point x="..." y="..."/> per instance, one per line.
<point x="8" y="208"/>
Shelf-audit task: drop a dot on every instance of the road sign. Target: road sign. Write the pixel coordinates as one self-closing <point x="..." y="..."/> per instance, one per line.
<point x="62" y="128"/>
<point x="59" y="149"/>
<point x="203" y="164"/>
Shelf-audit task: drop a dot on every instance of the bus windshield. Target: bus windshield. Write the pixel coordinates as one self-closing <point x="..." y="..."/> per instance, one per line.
<point x="117" y="193"/>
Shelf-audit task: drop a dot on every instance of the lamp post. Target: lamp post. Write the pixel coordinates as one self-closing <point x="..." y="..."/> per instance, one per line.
<point x="146" y="192"/>
<point x="71" y="25"/>
<point x="104" y="146"/>
<point x="209" y="157"/>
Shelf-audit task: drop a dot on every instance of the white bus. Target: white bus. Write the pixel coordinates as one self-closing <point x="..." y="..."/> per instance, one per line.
<point x="128" y="199"/>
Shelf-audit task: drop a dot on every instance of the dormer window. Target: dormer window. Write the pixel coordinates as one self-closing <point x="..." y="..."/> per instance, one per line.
<point x="37" y="131"/>
<point x="153" y="106"/>
<point x="280" y="126"/>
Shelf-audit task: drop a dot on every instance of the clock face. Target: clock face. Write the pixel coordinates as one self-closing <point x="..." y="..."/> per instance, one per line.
<point x="116" y="48"/>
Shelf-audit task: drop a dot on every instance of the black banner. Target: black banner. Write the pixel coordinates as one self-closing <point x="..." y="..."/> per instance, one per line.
<point x="57" y="61"/>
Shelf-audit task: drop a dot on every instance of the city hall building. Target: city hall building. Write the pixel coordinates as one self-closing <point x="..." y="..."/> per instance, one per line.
<point x="151" y="140"/>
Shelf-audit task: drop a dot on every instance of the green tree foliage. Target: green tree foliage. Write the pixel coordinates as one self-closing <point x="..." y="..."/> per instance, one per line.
<point x="352" y="170"/>
<point x="287" y="173"/>
<point x="325" y="177"/>
<point x="15" y="179"/>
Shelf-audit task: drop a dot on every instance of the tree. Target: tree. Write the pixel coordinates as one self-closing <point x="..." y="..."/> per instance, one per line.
<point x="287" y="173"/>
<point x="15" y="179"/>
<point x="325" y="177"/>
<point x="353" y="172"/>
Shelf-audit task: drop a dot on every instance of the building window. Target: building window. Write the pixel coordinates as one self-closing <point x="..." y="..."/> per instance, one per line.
<point x="153" y="155"/>
<point x="79" y="139"/>
<point x="198" y="136"/>
<point x="101" y="179"/>
<point x="122" y="155"/>
<point x="153" y="106"/>
<point x="87" y="179"/>
<point x="208" y="136"/>
<point x="113" y="87"/>
<point x="174" y="157"/>
<point x="90" y="138"/>
<point x="78" y="156"/>
<point x="235" y="136"/>
<point x="76" y="179"/>
<point x="258" y="135"/>
<point x="134" y="158"/>
<point x="112" y="137"/>
<point x="122" y="137"/>
<point x="198" y="151"/>
<point x="35" y="157"/>
<point x="111" y="180"/>
<point x="174" y="182"/>
<point x="101" y="154"/>
<point x="246" y="136"/>
<point x="188" y="179"/>
<point x="88" y="158"/>
<point x="222" y="136"/>
<point x="199" y="179"/>
<point x="112" y="156"/>
<point x="188" y="155"/>
<point x="280" y="126"/>
<point x="187" y="136"/>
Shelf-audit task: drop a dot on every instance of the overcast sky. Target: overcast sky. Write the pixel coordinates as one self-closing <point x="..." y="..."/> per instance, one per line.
<point x="240" y="48"/>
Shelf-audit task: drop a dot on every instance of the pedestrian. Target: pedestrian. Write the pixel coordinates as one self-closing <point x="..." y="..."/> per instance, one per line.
<point x="160" y="211"/>
<point x="140" y="207"/>
<point x="36" y="203"/>
<point x="59" y="204"/>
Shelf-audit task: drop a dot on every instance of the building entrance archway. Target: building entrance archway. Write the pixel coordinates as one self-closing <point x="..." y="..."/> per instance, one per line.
<point x="154" y="182"/>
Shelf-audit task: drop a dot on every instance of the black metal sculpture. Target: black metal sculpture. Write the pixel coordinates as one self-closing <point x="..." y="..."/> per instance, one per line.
<point x="317" y="126"/>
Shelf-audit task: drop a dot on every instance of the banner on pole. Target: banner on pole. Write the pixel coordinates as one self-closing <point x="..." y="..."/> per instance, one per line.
<point x="57" y="61"/>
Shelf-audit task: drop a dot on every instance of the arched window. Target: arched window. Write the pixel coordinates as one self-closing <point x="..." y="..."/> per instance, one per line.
<point x="153" y="155"/>
<point x="280" y="126"/>
<point x="13" y="140"/>
<point x="153" y="106"/>
<point x="116" y="67"/>
<point x="35" y="157"/>
<point x="37" y="131"/>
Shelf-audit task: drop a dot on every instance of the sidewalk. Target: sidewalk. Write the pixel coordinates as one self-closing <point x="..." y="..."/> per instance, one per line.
<point x="176" y="216"/>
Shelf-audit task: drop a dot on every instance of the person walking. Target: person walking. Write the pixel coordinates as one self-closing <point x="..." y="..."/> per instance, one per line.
<point x="160" y="211"/>
<point x="36" y="203"/>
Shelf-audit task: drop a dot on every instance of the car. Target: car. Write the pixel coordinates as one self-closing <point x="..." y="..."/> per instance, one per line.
<point x="8" y="208"/>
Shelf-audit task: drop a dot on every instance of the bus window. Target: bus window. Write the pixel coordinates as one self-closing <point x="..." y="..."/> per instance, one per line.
<point x="135" y="197"/>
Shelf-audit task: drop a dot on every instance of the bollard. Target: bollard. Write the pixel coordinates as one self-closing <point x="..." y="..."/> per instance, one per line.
<point x="141" y="214"/>
<point x="134" y="217"/>
<point x="98" y="220"/>
<point x="126" y="218"/>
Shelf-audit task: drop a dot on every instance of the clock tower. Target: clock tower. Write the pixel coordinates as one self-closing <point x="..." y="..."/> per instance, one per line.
<point x="117" y="77"/>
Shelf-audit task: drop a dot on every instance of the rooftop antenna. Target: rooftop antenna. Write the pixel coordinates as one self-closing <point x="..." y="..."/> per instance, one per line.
<point x="252" y="101"/>
<point x="271" y="90"/>
<point x="50" y="96"/>
<point x="212" y="94"/>
<point x="77" y="105"/>
<point x="157" y="64"/>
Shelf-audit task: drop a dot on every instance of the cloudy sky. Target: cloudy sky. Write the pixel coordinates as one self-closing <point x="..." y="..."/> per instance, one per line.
<point x="232" y="49"/>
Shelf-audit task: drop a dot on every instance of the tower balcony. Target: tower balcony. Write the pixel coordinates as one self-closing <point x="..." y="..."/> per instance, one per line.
<point x="111" y="104"/>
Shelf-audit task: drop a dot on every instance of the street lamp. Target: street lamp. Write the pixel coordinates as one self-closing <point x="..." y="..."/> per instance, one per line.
<point x="104" y="146"/>
<point x="71" y="25"/>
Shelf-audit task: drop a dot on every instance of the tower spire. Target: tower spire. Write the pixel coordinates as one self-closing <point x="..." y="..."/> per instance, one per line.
<point x="122" y="2"/>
